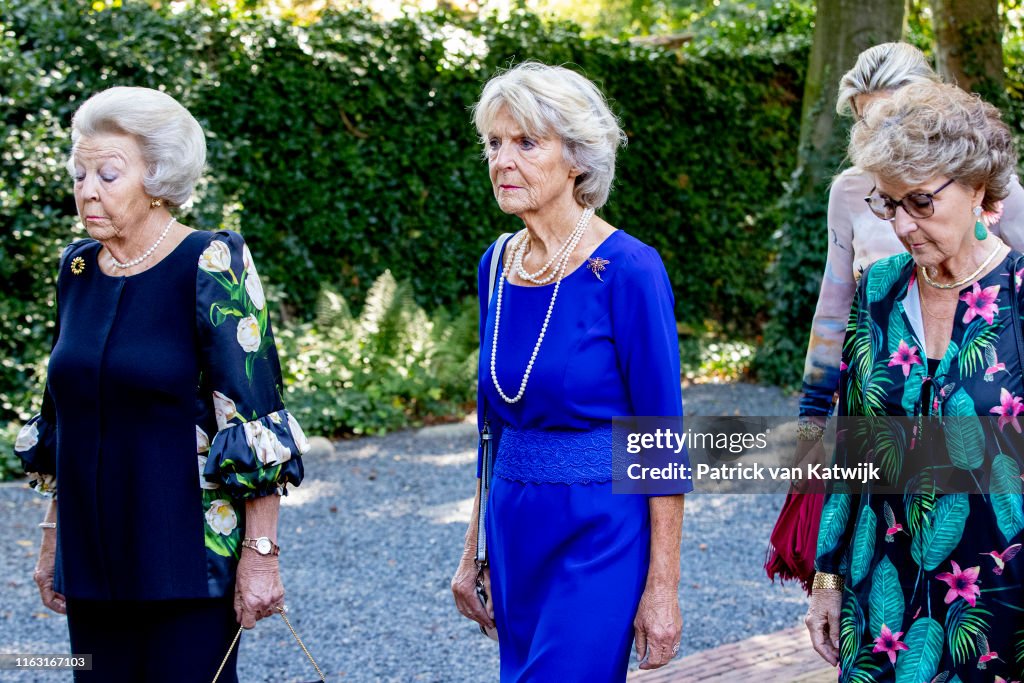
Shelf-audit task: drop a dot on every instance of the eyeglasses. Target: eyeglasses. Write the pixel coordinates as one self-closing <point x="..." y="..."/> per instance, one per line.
<point x="916" y="204"/>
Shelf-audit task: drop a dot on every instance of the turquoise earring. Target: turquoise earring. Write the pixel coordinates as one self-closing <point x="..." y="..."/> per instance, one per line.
<point x="980" y="232"/>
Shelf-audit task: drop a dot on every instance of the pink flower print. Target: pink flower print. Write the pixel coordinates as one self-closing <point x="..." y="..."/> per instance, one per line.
<point x="842" y="366"/>
<point x="981" y="302"/>
<point x="905" y="356"/>
<point x="890" y="643"/>
<point x="1018" y="278"/>
<point x="1009" y="408"/>
<point x="962" y="584"/>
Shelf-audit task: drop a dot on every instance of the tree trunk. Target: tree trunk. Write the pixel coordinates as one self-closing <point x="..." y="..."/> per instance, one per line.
<point x="842" y="30"/>
<point x="968" y="45"/>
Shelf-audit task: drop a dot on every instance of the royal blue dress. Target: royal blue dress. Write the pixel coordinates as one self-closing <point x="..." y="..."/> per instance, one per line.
<point x="568" y="557"/>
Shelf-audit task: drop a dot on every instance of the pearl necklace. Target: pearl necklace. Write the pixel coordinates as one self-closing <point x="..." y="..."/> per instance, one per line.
<point x="560" y="272"/>
<point x="148" y="252"/>
<point x="961" y="283"/>
<point x="536" y="278"/>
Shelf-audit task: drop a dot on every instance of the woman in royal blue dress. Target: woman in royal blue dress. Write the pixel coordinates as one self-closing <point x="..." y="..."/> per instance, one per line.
<point x="580" y="329"/>
<point x="162" y="426"/>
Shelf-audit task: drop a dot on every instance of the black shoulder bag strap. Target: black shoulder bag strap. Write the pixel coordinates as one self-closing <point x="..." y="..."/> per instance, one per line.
<point x="486" y="443"/>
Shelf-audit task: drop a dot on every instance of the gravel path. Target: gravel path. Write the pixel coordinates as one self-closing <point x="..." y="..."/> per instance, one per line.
<point x="370" y="541"/>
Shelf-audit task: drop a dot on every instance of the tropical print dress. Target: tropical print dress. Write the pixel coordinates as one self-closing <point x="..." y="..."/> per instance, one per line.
<point x="933" y="580"/>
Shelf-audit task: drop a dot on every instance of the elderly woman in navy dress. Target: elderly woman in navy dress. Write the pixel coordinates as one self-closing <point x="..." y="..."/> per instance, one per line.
<point x="162" y="427"/>
<point x="580" y="328"/>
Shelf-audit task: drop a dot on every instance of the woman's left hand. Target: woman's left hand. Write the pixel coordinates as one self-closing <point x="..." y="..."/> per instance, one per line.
<point x="659" y="626"/>
<point x="258" y="587"/>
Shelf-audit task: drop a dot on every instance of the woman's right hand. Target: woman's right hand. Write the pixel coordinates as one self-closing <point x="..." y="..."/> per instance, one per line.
<point x="45" y="570"/>
<point x="822" y="622"/>
<point x="464" y="590"/>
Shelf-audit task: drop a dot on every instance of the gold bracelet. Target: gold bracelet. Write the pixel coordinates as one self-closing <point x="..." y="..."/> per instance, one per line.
<point x="831" y="582"/>
<point x="809" y="431"/>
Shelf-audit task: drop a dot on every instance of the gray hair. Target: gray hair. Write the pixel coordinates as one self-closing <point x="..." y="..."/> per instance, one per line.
<point x="552" y="100"/>
<point x="888" y="66"/>
<point x="934" y="129"/>
<point x="172" y="141"/>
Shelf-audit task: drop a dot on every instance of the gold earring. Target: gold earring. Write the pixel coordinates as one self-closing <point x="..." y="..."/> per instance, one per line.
<point x="156" y="203"/>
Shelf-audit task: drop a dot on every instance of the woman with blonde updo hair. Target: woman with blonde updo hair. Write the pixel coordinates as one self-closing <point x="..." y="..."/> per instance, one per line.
<point x="917" y="576"/>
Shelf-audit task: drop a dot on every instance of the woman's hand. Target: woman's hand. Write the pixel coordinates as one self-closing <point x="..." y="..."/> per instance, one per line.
<point x="658" y="625"/>
<point x="258" y="587"/>
<point x="44" y="572"/>
<point x="822" y="622"/>
<point x="464" y="590"/>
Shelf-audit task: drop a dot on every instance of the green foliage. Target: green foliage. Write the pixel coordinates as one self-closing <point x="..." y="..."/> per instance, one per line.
<point x="344" y="148"/>
<point x="391" y="366"/>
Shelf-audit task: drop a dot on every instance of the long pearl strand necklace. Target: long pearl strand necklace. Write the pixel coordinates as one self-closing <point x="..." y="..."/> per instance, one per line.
<point x="147" y="253"/>
<point x="536" y="278"/>
<point x="563" y="262"/>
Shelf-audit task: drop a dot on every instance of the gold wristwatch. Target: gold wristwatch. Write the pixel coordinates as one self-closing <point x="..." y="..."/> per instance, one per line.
<point x="262" y="545"/>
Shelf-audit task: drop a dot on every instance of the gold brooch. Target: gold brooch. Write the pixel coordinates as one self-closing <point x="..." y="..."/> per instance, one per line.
<point x="77" y="265"/>
<point x="596" y="266"/>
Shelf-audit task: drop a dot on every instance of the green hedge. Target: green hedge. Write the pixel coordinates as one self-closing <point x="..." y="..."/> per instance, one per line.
<point x="344" y="148"/>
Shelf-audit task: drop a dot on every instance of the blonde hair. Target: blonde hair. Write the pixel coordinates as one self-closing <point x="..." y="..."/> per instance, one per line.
<point x="887" y="66"/>
<point x="933" y="129"/>
<point x="552" y="100"/>
<point x="172" y="141"/>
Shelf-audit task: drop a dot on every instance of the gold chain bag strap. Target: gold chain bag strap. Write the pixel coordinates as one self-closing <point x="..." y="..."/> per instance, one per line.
<point x="284" y="616"/>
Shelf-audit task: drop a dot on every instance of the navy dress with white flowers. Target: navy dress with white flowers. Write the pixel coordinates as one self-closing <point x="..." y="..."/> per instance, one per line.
<point x="162" y="415"/>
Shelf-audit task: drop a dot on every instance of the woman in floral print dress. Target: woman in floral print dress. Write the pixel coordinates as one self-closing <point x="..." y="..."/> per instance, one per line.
<point x="920" y="585"/>
<point x="162" y="426"/>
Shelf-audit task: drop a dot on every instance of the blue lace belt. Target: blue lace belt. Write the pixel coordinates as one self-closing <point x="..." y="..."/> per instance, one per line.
<point x="538" y="456"/>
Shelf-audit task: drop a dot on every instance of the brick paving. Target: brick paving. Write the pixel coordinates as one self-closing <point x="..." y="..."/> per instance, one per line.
<point x="780" y="657"/>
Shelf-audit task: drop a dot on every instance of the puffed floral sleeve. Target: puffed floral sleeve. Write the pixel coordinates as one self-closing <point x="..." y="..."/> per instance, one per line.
<point x="36" y="445"/>
<point x="257" y="447"/>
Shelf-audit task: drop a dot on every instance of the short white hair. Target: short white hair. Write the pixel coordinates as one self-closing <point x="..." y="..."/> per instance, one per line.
<point x="554" y="101"/>
<point x="172" y="141"/>
<point x="884" y="67"/>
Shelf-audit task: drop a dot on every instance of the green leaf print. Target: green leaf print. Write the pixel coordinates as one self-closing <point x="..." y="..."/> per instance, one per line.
<point x="851" y="628"/>
<point x="937" y="539"/>
<point x="979" y="334"/>
<point x="947" y="360"/>
<point x="886" y="599"/>
<point x="1007" y="501"/>
<point x="963" y="624"/>
<point x="921" y="661"/>
<point x="889" y="443"/>
<point x="964" y="436"/>
<point x="863" y="544"/>
<point x="898" y="330"/>
<point x="864" y="670"/>
<point x="912" y="391"/>
<point x="834" y="517"/>
<point x="883" y="276"/>
<point x="1018" y="648"/>
<point x="919" y="499"/>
